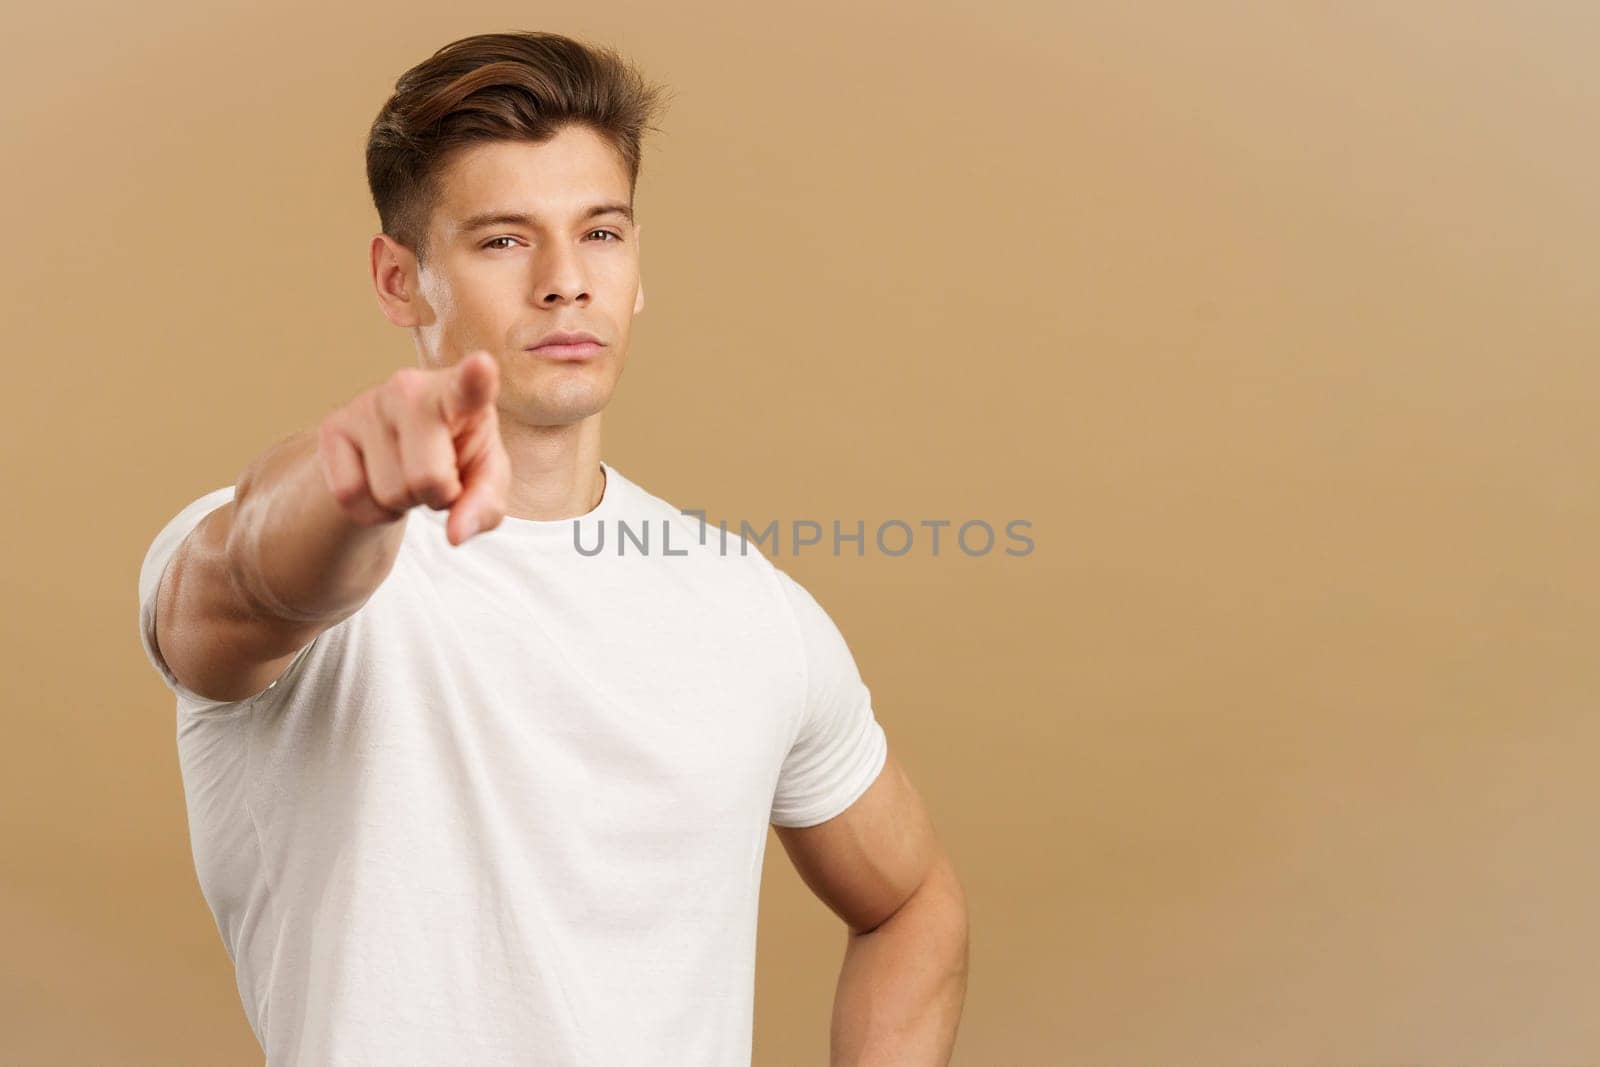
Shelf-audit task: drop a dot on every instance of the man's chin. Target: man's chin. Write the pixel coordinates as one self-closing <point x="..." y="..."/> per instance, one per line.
<point x="551" y="410"/>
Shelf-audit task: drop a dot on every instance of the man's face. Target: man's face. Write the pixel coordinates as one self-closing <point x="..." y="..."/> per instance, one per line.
<point x="504" y="284"/>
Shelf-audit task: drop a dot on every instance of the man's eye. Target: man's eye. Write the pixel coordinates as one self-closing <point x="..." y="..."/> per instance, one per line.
<point x="491" y="242"/>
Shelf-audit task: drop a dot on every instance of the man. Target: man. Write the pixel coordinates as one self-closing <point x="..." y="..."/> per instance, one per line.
<point x="459" y="792"/>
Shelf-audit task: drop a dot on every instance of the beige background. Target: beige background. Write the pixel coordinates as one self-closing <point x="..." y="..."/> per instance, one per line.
<point x="1276" y="320"/>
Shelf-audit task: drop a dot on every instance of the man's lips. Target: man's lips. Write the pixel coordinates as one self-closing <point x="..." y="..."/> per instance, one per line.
<point x="580" y="350"/>
<point x="567" y="344"/>
<point x="565" y="337"/>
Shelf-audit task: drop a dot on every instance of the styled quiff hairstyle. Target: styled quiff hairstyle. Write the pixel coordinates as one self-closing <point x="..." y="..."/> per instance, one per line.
<point x="497" y="87"/>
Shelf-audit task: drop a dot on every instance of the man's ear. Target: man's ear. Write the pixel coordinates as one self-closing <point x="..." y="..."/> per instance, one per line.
<point x="394" y="273"/>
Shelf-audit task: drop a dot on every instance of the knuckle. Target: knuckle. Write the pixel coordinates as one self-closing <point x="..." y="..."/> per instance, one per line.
<point x="386" y="493"/>
<point x="393" y="501"/>
<point x="369" y="409"/>
<point x="406" y="379"/>
<point x="404" y="388"/>
<point x="334" y="426"/>
<point x="349" y="494"/>
<point x="431" y="483"/>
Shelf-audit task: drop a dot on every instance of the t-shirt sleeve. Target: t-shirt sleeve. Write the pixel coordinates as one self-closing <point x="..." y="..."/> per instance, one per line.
<point x="840" y="746"/>
<point x="156" y="560"/>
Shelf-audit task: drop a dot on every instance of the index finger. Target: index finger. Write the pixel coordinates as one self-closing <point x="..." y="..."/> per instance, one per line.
<point x="469" y="386"/>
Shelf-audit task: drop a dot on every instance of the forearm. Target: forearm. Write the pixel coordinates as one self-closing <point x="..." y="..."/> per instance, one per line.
<point x="293" y="549"/>
<point x="903" y="984"/>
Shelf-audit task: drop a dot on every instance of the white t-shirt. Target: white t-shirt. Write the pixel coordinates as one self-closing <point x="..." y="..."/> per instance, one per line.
<point x="514" y="809"/>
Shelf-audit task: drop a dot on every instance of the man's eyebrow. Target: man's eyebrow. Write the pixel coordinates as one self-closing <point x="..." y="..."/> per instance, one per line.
<point x="497" y="217"/>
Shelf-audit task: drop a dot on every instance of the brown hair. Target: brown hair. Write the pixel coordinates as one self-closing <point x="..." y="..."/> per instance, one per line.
<point x="497" y="87"/>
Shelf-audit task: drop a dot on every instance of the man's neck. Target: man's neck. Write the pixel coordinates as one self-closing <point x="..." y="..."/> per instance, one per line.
<point x="555" y="470"/>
